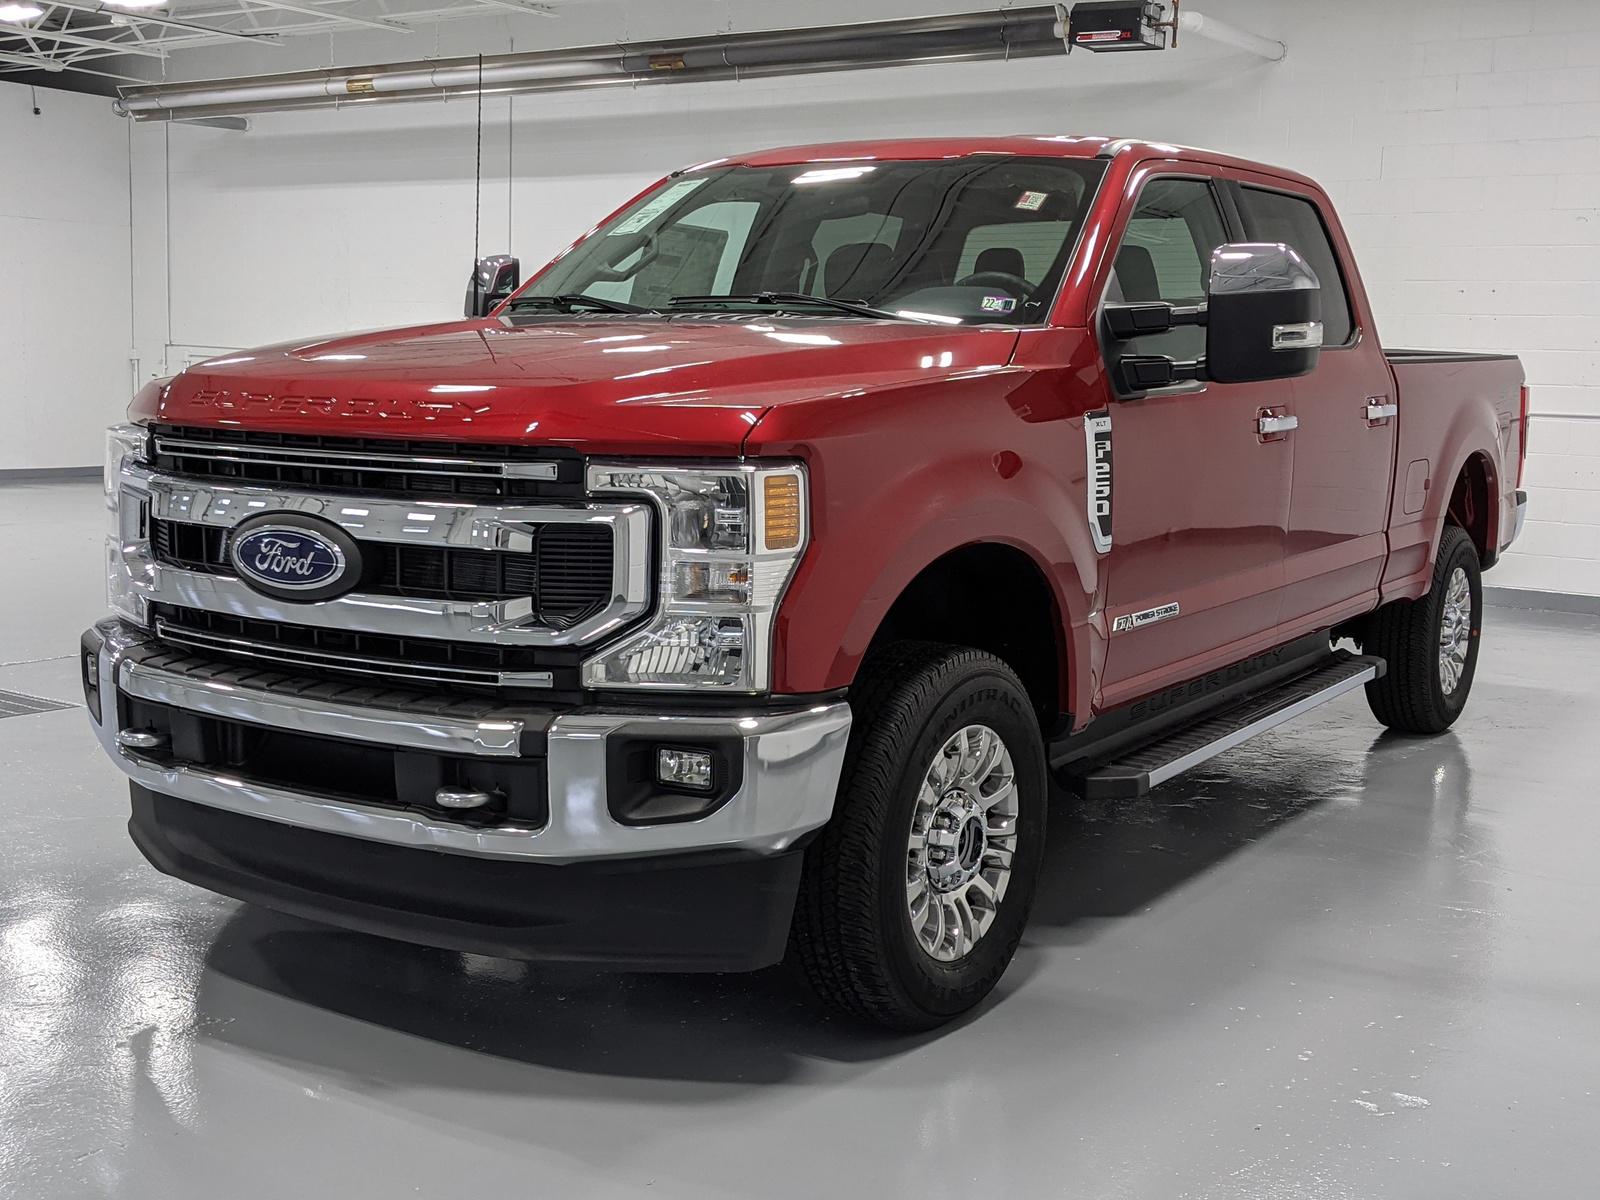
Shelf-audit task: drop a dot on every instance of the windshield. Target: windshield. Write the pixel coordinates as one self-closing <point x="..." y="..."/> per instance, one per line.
<point x="972" y="240"/>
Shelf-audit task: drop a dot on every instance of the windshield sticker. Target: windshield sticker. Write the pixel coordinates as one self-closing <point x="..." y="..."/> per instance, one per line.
<point x="1032" y="201"/>
<point x="998" y="304"/>
<point x="654" y="207"/>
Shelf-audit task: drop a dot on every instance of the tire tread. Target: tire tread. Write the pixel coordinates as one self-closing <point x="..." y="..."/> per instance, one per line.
<point x="1404" y="633"/>
<point x="836" y="934"/>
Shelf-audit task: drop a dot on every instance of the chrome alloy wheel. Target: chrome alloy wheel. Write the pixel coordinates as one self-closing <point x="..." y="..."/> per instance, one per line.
<point x="963" y="836"/>
<point x="1455" y="631"/>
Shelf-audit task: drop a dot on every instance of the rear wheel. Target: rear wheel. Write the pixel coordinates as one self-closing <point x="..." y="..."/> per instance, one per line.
<point x="916" y="894"/>
<point x="1430" y="644"/>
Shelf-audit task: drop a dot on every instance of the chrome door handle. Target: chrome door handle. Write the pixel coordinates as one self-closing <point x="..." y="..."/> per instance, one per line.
<point x="1266" y="425"/>
<point x="1379" y="411"/>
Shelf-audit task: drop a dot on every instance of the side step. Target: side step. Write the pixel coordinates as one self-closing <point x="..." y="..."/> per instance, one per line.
<point x="1135" y="772"/>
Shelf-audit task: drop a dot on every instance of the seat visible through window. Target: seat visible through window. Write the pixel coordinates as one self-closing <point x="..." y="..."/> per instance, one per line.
<point x="1005" y="260"/>
<point x="857" y="269"/>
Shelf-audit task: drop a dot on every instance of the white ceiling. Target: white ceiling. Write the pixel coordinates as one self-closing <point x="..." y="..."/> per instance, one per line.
<point x="133" y="41"/>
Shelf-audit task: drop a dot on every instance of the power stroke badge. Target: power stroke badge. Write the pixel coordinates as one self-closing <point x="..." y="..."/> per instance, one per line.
<point x="1097" y="437"/>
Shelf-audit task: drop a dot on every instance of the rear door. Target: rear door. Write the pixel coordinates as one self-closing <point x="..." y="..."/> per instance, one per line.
<point x="1344" y="445"/>
<point x="1200" y="497"/>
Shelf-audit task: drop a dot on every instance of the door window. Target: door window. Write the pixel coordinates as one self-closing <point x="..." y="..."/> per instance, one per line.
<point x="1166" y="255"/>
<point x="1279" y="217"/>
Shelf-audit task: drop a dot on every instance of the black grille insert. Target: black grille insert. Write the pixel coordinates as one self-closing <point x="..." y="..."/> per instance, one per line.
<point x="345" y="652"/>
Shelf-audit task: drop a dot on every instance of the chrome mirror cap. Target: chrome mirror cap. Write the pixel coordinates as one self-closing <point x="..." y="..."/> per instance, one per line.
<point x="1246" y="267"/>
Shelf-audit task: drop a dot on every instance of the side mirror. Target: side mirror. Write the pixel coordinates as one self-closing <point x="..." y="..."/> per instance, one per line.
<point x="493" y="279"/>
<point x="1263" y="313"/>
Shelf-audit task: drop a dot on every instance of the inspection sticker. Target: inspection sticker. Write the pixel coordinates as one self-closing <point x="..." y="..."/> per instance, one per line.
<point x="1032" y="201"/>
<point x="655" y="206"/>
<point x="1000" y="304"/>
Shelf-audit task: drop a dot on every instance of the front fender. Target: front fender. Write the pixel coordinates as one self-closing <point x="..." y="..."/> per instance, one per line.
<point x="901" y="479"/>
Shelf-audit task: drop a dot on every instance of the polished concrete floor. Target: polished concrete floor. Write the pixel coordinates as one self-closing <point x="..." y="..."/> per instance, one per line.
<point x="1336" y="964"/>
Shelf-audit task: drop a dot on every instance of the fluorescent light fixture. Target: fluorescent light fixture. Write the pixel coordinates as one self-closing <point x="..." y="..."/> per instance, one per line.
<point x="830" y="174"/>
<point x="20" y="12"/>
<point x="137" y="3"/>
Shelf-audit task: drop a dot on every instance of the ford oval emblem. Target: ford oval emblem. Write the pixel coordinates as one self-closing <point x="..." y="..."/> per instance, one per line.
<point x="294" y="558"/>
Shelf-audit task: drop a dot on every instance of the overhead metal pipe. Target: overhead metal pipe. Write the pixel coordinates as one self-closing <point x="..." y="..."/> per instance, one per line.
<point x="1026" y="32"/>
<point x="963" y="37"/>
<point x="1230" y="35"/>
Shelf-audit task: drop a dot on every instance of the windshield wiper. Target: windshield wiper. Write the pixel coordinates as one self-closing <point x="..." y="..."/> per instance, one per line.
<point x="856" y="308"/>
<point x="572" y="301"/>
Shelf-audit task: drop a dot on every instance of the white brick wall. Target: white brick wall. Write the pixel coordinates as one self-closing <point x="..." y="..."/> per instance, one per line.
<point x="1480" y="228"/>
<point x="1460" y="138"/>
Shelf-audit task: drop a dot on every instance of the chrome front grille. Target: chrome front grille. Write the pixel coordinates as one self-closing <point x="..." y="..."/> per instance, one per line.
<point x="477" y="592"/>
<point x="369" y="465"/>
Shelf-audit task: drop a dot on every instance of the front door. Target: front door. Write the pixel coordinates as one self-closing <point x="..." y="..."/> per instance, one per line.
<point x="1200" y="494"/>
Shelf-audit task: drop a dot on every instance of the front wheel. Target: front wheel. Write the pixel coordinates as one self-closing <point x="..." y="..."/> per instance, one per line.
<point x="1430" y="644"/>
<point x="916" y="894"/>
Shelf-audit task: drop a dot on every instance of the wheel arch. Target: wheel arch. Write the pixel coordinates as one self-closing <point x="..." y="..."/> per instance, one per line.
<point x="1474" y="505"/>
<point x="992" y="596"/>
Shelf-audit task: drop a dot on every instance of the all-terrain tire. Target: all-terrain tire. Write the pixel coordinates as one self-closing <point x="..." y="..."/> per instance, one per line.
<point x="852" y="931"/>
<point x="1413" y="697"/>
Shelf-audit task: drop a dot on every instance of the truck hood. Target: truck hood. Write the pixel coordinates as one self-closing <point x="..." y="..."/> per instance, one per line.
<point x="687" y="385"/>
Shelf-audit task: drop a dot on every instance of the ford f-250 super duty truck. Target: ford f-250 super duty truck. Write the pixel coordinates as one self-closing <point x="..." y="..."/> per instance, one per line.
<point x="734" y="587"/>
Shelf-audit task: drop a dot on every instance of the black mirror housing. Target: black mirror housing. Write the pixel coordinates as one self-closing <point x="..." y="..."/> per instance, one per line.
<point x="1263" y="313"/>
<point x="493" y="279"/>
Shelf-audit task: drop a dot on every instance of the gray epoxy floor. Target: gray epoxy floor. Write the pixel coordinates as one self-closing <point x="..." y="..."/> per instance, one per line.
<point x="1336" y="964"/>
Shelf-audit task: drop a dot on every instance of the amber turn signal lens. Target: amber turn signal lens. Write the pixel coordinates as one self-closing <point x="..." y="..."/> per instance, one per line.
<point x="781" y="511"/>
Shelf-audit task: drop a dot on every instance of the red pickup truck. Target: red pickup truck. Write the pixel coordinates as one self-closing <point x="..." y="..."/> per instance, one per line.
<point x="734" y="588"/>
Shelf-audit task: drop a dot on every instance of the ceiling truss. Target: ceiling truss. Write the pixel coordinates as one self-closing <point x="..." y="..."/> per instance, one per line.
<point x="135" y="44"/>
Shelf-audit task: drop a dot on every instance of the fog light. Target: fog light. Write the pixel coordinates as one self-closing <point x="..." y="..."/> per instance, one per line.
<point x="91" y="678"/>
<point x="683" y="768"/>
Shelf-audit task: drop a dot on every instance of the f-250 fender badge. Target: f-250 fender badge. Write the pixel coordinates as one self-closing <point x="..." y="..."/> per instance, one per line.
<point x="1148" y="617"/>
<point x="1097" y="437"/>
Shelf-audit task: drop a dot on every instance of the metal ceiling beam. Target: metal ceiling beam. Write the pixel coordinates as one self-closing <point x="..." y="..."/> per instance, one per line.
<point x="145" y="18"/>
<point x="389" y="26"/>
<point x="71" y="39"/>
<point x="527" y="7"/>
<point x="39" y="63"/>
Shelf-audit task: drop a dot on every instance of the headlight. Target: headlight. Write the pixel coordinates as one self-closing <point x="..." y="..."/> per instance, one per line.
<point x="730" y="540"/>
<point x="123" y="442"/>
<point x="127" y="550"/>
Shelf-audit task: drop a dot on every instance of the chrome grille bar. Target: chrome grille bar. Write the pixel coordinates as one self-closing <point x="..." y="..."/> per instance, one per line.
<point x="294" y="456"/>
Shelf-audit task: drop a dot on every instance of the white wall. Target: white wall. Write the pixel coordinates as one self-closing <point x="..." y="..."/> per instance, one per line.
<point x="64" y="287"/>
<point x="1461" y="139"/>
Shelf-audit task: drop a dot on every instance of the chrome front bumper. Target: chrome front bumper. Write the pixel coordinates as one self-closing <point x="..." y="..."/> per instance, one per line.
<point x="791" y="764"/>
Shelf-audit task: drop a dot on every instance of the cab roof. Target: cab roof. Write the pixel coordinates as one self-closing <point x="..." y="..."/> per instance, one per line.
<point x="1037" y="145"/>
